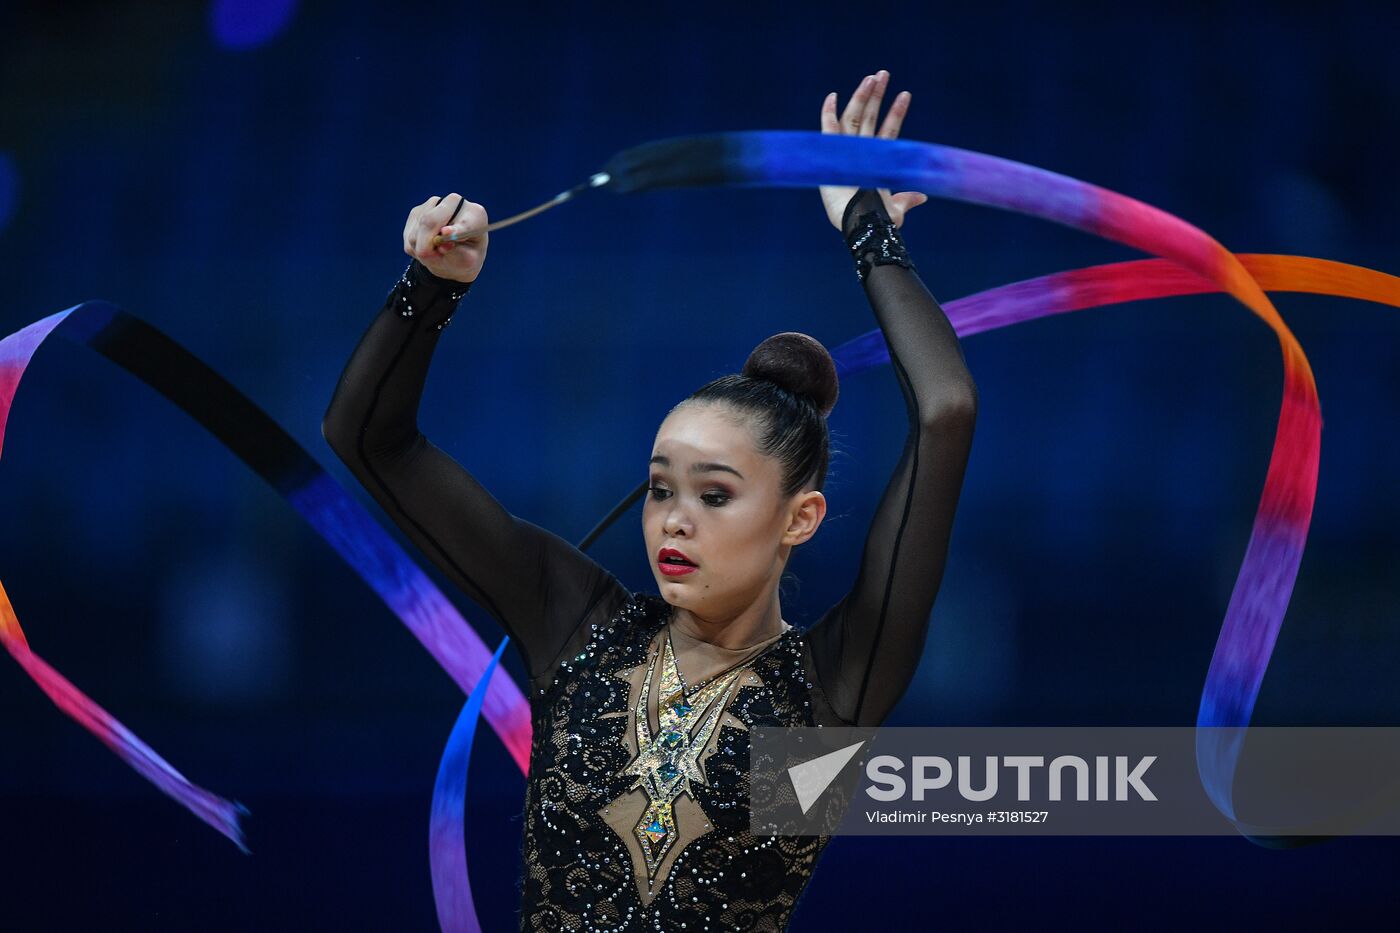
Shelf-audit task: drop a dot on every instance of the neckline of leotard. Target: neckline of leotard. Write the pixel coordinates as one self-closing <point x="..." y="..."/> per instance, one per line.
<point x="668" y="619"/>
<point x="754" y="653"/>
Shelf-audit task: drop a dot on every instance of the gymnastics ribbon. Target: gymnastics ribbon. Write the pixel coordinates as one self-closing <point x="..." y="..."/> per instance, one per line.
<point x="270" y="451"/>
<point x="1218" y="743"/>
<point x="447" y="844"/>
<point x="1190" y="262"/>
<point x="1265" y="582"/>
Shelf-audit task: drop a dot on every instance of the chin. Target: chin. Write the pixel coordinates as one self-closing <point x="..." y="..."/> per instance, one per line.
<point x="674" y="592"/>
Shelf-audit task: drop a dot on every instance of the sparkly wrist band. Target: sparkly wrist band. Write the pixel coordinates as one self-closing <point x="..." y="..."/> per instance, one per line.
<point x="419" y="284"/>
<point x="875" y="241"/>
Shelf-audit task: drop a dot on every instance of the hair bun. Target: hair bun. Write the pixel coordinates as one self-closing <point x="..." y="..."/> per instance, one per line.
<point x="799" y="364"/>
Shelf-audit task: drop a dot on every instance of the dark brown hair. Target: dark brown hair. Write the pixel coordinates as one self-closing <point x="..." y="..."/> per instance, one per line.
<point x="788" y="386"/>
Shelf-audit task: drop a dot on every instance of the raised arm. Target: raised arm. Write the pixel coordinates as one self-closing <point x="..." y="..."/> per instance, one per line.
<point x="535" y="584"/>
<point x="867" y="646"/>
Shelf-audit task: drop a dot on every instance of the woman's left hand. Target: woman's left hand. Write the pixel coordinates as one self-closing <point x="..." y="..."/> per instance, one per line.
<point x="859" y="119"/>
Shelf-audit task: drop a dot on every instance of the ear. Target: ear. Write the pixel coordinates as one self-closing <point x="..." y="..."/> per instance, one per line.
<point x="804" y="516"/>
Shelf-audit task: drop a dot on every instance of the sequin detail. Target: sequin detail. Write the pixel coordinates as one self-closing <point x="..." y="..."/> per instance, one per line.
<point x="579" y="868"/>
<point x="668" y="762"/>
<point x="875" y="241"/>
<point x="418" y="284"/>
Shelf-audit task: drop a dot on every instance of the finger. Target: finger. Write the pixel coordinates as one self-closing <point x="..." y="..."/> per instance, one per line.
<point x="871" y="115"/>
<point x="424" y="225"/>
<point x="411" y="224"/>
<point x="895" y="118"/>
<point x="414" y="227"/>
<point x="446" y="245"/>
<point x="829" y="122"/>
<point x="908" y="200"/>
<point x="460" y="202"/>
<point x="434" y="217"/>
<point x="431" y="221"/>
<point x="850" y="117"/>
<point x="473" y="218"/>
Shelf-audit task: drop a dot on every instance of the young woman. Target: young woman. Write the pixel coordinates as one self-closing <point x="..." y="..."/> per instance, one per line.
<point x="636" y="810"/>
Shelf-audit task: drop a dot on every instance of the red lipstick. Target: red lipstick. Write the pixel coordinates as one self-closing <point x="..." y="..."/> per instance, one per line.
<point x="673" y="563"/>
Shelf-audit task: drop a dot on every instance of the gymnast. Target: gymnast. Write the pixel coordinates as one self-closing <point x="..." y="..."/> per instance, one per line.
<point x="636" y="806"/>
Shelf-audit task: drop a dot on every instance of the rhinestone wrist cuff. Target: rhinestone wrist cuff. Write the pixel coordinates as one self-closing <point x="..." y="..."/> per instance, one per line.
<point x="419" y="291"/>
<point x="875" y="241"/>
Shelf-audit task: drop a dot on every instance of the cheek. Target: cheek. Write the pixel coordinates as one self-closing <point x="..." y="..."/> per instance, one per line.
<point x="653" y="523"/>
<point x="744" y="533"/>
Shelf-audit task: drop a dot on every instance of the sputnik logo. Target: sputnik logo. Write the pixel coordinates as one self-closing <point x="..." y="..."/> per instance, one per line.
<point x="813" y="777"/>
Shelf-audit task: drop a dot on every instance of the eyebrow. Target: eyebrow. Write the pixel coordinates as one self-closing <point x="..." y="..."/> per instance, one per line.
<point x="700" y="467"/>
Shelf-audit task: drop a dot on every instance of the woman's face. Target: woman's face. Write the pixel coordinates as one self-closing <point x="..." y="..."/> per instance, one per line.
<point x="715" y="498"/>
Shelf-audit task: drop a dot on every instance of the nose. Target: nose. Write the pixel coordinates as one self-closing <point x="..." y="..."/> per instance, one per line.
<point x="676" y="524"/>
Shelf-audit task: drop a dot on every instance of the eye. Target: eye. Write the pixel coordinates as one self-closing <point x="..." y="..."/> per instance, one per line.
<point x="715" y="499"/>
<point x="659" y="493"/>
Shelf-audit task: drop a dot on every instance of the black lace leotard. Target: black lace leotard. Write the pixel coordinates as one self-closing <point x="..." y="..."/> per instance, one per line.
<point x="592" y="648"/>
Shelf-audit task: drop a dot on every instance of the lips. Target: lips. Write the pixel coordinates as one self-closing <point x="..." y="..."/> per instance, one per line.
<point x="673" y="562"/>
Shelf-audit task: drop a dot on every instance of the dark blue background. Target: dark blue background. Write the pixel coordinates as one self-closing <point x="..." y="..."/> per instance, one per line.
<point x="247" y="198"/>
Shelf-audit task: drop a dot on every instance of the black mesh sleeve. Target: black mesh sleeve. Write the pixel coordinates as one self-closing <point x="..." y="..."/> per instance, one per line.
<point x="865" y="648"/>
<point x="538" y="586"/>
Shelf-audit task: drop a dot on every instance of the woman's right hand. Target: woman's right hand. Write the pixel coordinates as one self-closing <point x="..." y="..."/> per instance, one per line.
<point x="459" y="261"/>
<point x="859" y="119"/>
